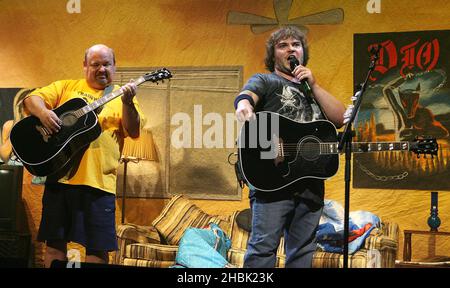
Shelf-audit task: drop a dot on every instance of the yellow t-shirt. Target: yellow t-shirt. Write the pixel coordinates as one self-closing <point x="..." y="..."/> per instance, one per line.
<point x="98" y="166"/>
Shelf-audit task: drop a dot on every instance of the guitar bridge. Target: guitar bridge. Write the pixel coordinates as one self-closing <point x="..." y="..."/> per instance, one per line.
<point x="281" y="149"/>
<point x="280" y="156"/>
<point x="44" y="132"/>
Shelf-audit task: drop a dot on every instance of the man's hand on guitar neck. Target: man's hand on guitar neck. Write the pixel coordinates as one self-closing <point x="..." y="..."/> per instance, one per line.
<point x="129" y="91"/>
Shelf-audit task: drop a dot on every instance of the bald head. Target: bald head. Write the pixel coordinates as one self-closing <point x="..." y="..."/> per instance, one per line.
<point x="99" y="66"/>
<point x="99" y="47"/>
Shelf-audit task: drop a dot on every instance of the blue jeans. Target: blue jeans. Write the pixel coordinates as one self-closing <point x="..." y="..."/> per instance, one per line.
<point x="296" y="217"/>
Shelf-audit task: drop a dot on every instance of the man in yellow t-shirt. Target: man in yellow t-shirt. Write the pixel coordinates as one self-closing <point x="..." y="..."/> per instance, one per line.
<point x="80" y="206"/>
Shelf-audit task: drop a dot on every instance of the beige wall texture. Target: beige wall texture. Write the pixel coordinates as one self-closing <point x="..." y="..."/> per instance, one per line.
<point x="41" y="42"/>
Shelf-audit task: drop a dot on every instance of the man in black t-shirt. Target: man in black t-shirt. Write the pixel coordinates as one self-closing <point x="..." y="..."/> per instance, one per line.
<point x="293" y="211"/>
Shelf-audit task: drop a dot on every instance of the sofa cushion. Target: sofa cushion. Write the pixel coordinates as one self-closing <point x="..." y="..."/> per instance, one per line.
<point x="132" y="233"/>
<point x="360" y="259"/>
<point x="238" y="235"/>
<point x="147" y="263"/>
<point x="149" y="251"/>
<point x="138" y="233"/>
<point x="180" y="214"/>
<point x="236" y="258"/>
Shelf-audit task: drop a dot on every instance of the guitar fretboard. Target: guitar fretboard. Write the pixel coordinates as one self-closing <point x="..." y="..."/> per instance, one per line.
<point x="364" y="147"/>
<point x="103" y="100"/>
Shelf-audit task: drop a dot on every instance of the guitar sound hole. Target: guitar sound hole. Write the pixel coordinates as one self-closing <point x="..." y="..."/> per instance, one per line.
<point x="309" y="149"/>
<point x="68" y="119"/>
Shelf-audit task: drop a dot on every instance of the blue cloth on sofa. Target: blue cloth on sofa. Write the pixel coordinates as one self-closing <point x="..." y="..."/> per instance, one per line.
<point x="203" y="248"/>
<point x="330" y="233"/>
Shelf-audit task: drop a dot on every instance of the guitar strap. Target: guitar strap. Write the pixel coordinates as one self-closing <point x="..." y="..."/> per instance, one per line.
<point x="239" y="175"/>
<point x="313" y="101"/>
<point x="106" y="91"/>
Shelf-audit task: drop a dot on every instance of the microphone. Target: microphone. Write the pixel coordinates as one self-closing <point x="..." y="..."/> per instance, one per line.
<point x="293" y="62"/>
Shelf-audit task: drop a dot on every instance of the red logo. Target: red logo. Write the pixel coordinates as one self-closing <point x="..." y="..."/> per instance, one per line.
<point x="422" y="55"/>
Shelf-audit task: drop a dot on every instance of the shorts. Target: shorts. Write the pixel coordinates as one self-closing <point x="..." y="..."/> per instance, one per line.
<point x="81" y="214"/>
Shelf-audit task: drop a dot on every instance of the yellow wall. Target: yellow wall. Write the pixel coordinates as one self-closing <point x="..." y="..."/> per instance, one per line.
<point x="41" y="42"/>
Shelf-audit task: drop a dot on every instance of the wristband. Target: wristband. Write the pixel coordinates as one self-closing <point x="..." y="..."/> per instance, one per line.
<point x="242" y="97"/>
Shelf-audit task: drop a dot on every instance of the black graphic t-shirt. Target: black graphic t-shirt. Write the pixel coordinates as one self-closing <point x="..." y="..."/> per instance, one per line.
<point x="277" y="94"/>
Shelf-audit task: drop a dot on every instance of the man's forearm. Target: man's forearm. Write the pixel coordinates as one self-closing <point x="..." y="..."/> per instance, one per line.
<point x="131" y="120"/>
<point x="34" y="105"/>
<point x="332" y="107"/>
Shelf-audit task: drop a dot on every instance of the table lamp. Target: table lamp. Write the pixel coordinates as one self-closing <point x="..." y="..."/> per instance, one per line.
<point x="135" y="150"/>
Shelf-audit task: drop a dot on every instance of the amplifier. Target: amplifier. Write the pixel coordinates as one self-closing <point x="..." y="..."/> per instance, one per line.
<point x="12" y="214"/>
<point x="15" y="249"/>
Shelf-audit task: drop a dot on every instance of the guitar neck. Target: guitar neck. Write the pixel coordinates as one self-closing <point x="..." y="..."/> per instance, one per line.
<point x="364" y="147"/>
<point x="105" y="99"/>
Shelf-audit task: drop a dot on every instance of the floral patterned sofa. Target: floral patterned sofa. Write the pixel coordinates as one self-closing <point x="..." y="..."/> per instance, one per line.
<point x="157" y="245"/>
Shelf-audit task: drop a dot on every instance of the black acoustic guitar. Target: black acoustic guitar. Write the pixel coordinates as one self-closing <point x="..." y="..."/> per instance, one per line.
<point x="44" y="154"/>
<point x="275" y="151"/>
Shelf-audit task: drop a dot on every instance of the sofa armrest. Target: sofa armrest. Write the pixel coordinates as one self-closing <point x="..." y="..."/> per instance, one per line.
<point x="385" y="240"/>
<point x="150" y="255"/>
<point x="131" y="233"/>
<point x="391" y="230"/>
<point x="385" y="236"/>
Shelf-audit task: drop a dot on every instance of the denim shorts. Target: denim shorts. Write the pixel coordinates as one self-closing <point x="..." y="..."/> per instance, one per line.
<point x="81" y="214"/>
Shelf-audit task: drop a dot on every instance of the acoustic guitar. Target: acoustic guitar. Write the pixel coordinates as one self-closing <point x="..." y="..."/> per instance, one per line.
<point x="275" y="151"/>
<point x="43" y="154"/>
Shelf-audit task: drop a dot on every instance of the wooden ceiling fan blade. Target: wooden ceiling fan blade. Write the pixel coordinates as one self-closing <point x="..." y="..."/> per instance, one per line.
<point x="282" y="8"/>
<point x="302" y="28"/>
<point x="258" y="29"/>
<point x="333" y="16"/>
<point x="243" y="18"/>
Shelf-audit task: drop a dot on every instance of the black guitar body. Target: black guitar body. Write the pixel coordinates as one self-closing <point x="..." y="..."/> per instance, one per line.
<point x="42" y="154"/>
<point x="269" y="169"/>
<point x="45" y="155"/>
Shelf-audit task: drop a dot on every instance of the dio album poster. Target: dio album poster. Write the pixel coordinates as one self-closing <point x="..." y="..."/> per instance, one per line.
<point x="407" y="96"/>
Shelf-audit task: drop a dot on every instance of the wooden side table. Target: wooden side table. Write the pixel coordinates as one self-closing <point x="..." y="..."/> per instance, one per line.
<point x="407" y="249"/>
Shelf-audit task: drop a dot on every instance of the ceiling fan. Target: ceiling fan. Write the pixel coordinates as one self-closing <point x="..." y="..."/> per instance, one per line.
<point x="260" y="24"/>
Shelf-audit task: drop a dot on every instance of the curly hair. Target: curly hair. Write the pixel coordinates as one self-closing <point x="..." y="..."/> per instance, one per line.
<point x="281" y="34"/>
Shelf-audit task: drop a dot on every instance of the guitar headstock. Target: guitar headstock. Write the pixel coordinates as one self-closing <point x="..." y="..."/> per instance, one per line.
<point x="158" y="75"/>
<point x="425" y="145"/>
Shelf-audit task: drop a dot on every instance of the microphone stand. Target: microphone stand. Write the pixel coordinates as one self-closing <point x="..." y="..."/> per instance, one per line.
<point x="345" y="142"/>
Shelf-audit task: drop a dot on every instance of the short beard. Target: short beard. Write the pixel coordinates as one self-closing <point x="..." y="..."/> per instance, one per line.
<point x="284" y="69"/>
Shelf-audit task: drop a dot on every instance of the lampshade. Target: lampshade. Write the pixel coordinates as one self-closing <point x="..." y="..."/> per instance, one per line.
<point x="142" y="148"/>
